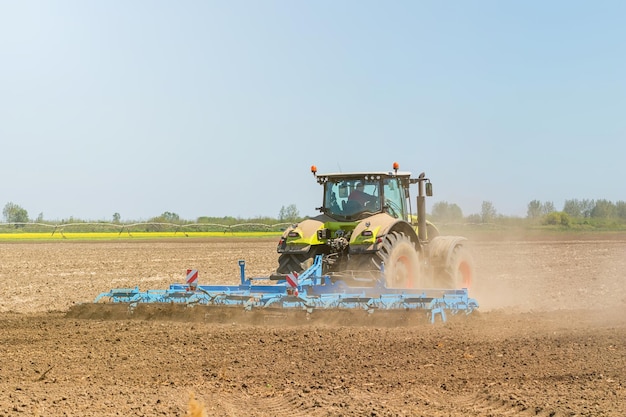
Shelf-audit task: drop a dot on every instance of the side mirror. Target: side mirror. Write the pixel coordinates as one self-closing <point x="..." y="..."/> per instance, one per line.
<point x="429" y="189"/>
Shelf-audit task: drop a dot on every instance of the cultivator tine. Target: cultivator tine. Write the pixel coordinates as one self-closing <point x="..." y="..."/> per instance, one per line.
<point x="121" y="295"/>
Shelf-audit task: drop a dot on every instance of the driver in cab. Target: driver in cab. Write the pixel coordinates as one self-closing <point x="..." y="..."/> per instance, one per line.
<point x="358" y="195"/>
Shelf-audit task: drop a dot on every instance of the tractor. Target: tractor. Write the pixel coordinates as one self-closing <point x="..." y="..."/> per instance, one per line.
<point x="366" y="232"/>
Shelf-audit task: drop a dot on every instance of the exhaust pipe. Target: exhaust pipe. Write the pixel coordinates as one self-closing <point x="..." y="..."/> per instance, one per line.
<point x="425" y="188"/>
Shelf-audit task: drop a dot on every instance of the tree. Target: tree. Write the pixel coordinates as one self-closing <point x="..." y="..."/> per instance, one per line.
<point x="170" y="217"/>
<point x="445" y="212"/>
<point x="587" y="207"/>
<point x="538" y="209"/>
<point x="579" y="208"/>
<point x="473" y="218"/>
<point x="488" y="212"/>
<point x="166" y="217"/>
<point x="14" y="214"/>
<point x="620" y="209"/>
<point x="116" y="217"/>
<point x="534" y="209"/>
<point x="573" y="208"/>
<point x="289" y="213"/>
<point x="604" y="209"/>
<point x="547" y="207"/>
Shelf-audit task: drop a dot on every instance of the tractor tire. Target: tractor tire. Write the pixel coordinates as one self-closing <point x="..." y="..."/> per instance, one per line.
<point x="459" y="271"/>
<point x="400" y="260"/>
<point x="292" y="262"/>
<point x="297" y="262"/>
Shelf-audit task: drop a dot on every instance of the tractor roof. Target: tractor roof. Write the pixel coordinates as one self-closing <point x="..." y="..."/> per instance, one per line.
<point x="363" y="174"/>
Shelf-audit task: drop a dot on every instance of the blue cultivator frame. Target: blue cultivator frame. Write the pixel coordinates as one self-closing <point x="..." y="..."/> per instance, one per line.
<point x="313" y="291"/>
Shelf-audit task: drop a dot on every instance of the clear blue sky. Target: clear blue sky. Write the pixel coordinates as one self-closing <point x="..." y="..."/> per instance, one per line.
<point x="207" y="108"/>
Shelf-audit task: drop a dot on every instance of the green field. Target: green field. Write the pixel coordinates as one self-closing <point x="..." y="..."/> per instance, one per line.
<point x="42" y="236"/>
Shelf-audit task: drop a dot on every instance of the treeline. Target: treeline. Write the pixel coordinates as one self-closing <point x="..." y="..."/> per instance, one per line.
<point x="17" y="217"/>
<point x="592" y="212"/>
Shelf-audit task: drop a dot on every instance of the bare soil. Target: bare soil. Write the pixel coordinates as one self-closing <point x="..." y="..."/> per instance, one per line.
<point x="549" y="339"/>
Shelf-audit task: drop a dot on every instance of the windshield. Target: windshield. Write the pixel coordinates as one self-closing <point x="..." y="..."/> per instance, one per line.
<point x="350" y="197"/>
<point x="394" y="198"/>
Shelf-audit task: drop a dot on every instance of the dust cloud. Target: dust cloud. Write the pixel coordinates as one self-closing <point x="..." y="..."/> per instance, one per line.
<point x="525" y="276"/>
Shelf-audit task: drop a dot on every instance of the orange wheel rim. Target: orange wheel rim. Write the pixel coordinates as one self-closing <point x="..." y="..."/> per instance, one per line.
<point x="466" y="274"/>
<point x="408" y="270"/>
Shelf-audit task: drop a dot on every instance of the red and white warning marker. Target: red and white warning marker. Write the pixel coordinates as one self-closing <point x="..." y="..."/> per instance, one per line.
<point x="192" y="279"/>
<point x="292" y="281"/>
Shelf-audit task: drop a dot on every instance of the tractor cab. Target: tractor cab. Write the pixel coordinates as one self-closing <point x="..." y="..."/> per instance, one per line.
<point x="355" y="196"/>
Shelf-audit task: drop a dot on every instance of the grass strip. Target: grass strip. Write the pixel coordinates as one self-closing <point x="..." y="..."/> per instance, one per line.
<point x="47" y="236"/>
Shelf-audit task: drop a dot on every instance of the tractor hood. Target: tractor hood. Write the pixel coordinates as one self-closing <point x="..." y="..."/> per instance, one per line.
<point x="318" y="230"/>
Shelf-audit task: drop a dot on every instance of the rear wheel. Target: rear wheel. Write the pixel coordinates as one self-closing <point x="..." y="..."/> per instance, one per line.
<point x="297" y="262"/>
<point x="400" y="260"/>
<point x="292" y="262"/>
<point x="459" y="271"/>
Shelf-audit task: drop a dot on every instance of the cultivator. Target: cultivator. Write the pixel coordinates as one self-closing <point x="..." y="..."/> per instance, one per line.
<point x="309" y="292"/>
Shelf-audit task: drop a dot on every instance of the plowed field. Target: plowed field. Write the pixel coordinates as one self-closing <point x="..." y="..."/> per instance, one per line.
<point x="549" y="339"/>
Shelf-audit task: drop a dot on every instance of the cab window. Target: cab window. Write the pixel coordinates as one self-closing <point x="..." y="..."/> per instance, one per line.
<point x="394" y="197"/>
